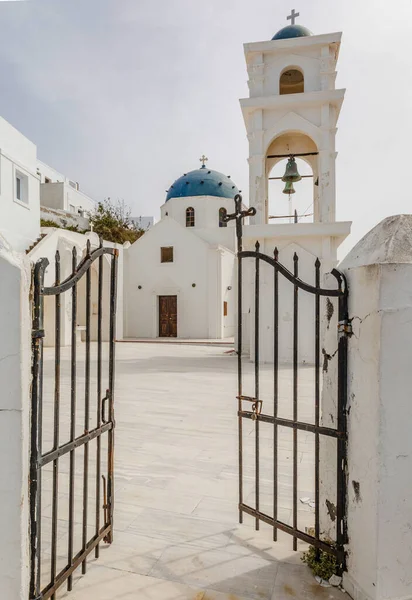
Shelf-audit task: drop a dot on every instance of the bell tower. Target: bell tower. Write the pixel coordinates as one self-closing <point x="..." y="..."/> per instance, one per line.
<point x="291" y="112"/>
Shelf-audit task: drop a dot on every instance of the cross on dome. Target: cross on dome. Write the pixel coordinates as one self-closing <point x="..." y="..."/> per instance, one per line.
<point x="292" y="17"/>
<point x="203" y="160"/>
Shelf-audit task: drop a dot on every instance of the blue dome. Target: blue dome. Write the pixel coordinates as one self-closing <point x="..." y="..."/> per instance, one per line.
<point x="203" y="182"/>
<point x="292" y="31"/>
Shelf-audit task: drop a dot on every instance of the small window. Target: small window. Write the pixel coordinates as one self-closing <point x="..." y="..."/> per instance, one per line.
<point x="225" y="309"/>
<point x="291" y="82"/>
<point x="47" y="180"/>
<point x="21" y="187"/>
<point x="190" y="217"/>
<point x="166" y="254"/>
<point x="222" y="215"/>
<point x="72" y="208"/>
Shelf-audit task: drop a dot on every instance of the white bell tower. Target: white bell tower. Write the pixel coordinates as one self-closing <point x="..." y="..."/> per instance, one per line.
<point x="292" y="109"/>
<point x="292" y="112"/>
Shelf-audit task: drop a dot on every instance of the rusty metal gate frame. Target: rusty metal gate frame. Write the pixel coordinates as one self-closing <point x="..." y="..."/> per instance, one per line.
<point x="104" y="422"/>
<point x="336" y="548"/>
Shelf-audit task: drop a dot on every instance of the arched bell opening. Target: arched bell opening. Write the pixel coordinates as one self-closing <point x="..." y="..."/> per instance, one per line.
<point x="291" y="81"/>
<point x="292" y="179"/>
<point x="290" y="202"/>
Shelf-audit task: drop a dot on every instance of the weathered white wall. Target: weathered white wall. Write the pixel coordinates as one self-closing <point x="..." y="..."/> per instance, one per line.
<point x="379" y="272"/>
<point x="63" y="218"/>
<point x="199" y="308"/>
<point x="15" y="365"/>
<point x="19" y="221"/>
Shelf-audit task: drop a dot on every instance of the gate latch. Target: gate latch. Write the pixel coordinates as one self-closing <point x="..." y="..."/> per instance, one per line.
<point x="256" y="405"/>
<point x="256" y="409"/>
<point x="344" y="328"/>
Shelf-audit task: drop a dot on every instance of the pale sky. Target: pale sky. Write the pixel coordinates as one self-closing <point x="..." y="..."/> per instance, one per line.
<point x="125" y="95"/>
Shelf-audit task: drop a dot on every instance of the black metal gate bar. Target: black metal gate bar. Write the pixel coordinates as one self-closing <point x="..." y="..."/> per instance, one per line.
<point x="257" y="446"/>
<point x="295" y="397"/>
<point x="36" y="437"/>
<point x="38" y="459"/>
<point x="99" y="395"/>
<point x="56" y="422"/>
<point x="72" y="419"/>
<point x="86" y="409"/>
<point x="317" y="402"/>
<point x="238" y="217"/>
<point x="336" y="547"/>
<point x="275" y="394"/>
<point x="110" y="456"/>
<point x="239" y="369"/>
<point x="343" y="315"/>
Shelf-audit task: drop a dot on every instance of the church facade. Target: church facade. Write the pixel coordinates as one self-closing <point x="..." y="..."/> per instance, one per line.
<point x="180" y="274"/>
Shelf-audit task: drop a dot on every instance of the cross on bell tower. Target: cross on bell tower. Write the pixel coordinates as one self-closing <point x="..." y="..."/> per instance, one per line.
<point x="292" y="17"/>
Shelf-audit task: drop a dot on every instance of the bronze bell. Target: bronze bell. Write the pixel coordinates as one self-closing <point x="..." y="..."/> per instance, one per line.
<point x="289" y="189"/>
<point x="291" y="174"/>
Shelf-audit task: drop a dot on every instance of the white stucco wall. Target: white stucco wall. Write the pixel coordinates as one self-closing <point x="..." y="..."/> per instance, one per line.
<point x="379" y="272"/>
<point x="15" y="370"/>
<point x="199" y="308"/>
<point x="19" y="220"/>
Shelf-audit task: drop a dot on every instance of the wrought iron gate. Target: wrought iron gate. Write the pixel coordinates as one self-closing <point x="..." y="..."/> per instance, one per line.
<point x="251" y="406"/>
<point x="42" y="585"/>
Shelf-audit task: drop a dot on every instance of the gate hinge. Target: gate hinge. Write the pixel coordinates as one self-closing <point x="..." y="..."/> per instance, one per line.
<point x="37" y="333"/>
<point x="344" y="328"/>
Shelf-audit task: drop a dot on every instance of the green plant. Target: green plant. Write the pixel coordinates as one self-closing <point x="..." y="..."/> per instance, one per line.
<point x="48" y="223"/>
<point x="325" y="566"/>
<point x="112" y="223"/>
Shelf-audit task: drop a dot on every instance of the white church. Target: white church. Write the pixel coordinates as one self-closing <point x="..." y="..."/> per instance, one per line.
<point x="180" y="274"/>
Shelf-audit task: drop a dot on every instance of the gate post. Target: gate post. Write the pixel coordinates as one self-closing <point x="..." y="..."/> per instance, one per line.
<point x="15" y="365"/>
<point x="379" y="272"/>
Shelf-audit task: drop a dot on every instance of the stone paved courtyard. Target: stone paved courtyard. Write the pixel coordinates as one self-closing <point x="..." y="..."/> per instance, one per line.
<point x="177" y="535"/>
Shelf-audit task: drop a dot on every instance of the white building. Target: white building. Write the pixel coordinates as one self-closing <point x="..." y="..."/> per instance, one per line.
<point x="292" y="110"/>
<point x="180" y="273"/>
<point x="61" y="193"/>
<point x="19" y="188"/>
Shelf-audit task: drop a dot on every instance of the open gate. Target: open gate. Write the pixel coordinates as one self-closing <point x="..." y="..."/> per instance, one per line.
<point x="81" y="427"/>
<point x="251" y="407"/>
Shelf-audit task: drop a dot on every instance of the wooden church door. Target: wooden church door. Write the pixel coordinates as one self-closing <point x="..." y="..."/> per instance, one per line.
<point x="167" y="316"/>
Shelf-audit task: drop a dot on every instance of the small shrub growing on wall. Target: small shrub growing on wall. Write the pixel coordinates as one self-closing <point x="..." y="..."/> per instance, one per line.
<point x="325" y="567"/>
<point x="112" y="222"/>
<point x="50" y="223"/>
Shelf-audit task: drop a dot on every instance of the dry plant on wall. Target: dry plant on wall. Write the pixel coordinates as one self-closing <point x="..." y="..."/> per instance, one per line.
<point x="112" y="222"/>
